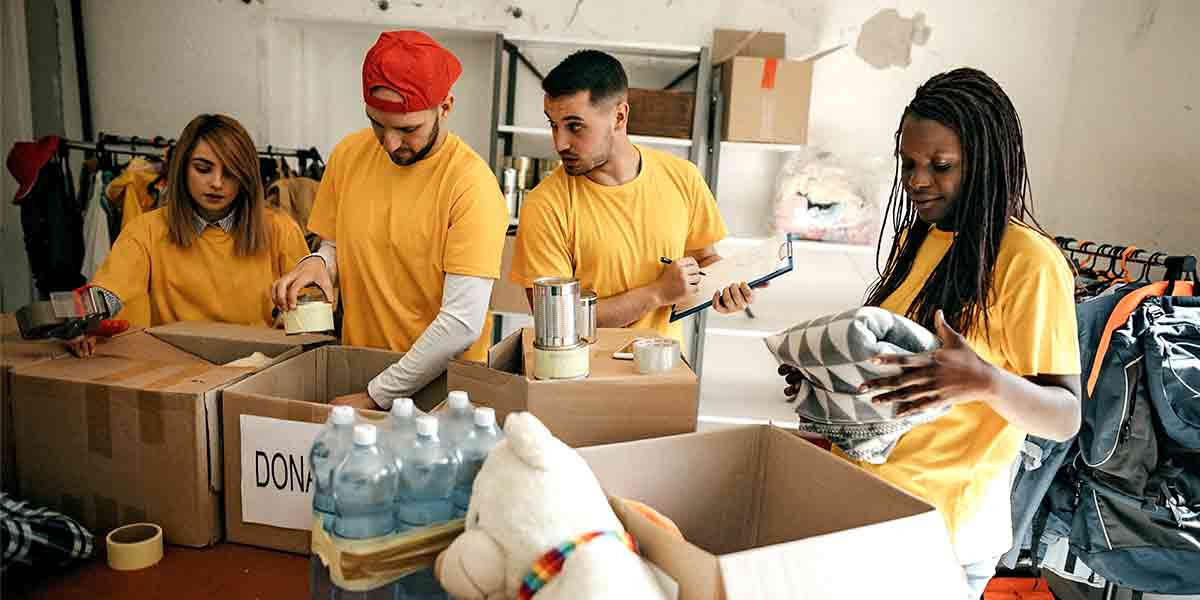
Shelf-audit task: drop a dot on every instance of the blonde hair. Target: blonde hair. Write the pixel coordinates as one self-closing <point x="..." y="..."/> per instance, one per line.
<point x="234" y="148"/>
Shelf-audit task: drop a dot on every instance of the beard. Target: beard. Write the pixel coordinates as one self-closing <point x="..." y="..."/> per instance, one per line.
<point x="578" y="165"/>
<point x="423" y="152"/>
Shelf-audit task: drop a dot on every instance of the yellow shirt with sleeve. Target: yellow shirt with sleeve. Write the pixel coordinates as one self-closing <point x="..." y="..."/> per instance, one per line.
<point x="204" y="282"/>
<point x="400" y="230"/>
<point x="953" y="461"/>
<point x="611" y="238"/>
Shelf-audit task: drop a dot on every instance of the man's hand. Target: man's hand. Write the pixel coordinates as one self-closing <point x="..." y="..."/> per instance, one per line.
<point x="286" y="289"/>
<point x="360" y="400"/>
<point x="82" y="347"/>
<point x="679" y="280"/>
<point x="734" y="298"/>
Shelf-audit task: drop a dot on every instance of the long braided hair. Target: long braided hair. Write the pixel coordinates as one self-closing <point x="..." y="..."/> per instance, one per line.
<point x="994" y="189"/>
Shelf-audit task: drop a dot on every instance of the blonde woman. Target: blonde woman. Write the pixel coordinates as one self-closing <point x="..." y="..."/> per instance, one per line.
<point x="212" y="250"/>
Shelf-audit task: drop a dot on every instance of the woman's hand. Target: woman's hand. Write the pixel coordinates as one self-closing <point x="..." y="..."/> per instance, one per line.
<point x="82" y="346"/>
<point x="950" y="375"/>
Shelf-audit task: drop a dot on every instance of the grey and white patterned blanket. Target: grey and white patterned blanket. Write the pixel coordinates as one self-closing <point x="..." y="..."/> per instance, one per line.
<point x="833" y="355"/>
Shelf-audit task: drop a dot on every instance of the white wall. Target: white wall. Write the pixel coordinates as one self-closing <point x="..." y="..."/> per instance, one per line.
<point x="16" y="123"/>
<point x="1128" y="164"/>
<point x="290" y="74"/>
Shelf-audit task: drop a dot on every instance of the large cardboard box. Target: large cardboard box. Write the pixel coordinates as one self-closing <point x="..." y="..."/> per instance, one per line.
<point x="16" y="352"/>
<point x="269" y="422"/>
<point x="767" y="95"/>
<point x="132" y="433"/>
<point x="767" y="515"/>
<point x="613" y="404"/>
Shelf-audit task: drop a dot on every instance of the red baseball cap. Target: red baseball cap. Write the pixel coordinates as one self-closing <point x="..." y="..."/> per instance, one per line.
<point x="26" y="159"/>
<point x="411" y="64"/>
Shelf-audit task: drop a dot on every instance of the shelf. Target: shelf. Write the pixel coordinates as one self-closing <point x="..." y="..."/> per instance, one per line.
<point x="624" y="48"/>
<point x="759" y="147"/>
<point x="637" y="139"/>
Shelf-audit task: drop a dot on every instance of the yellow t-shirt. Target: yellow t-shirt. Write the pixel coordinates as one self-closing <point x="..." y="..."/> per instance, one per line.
<point x="951" y="462"/>
<point x="611" y="238"/>
<point x="205" y="282"/>
<point x="400" y="230"/>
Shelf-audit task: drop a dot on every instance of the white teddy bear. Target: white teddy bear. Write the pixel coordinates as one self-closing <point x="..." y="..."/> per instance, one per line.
<point x="535" y="494"/>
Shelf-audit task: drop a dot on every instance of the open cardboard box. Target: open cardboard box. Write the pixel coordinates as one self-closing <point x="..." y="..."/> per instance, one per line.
<point x="269" y="422"/>
<point x="767" y="515"/>
<point x="613" y="404"/>
<point x="132" y="433"/>
<point x="767" y="95"/>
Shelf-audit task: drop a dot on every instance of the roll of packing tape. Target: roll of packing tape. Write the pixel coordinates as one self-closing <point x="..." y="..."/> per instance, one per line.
<point x="135" y="547"/>
<point x="309" y="317"/>
<point x="655" y="355"/>
<point x="562" y="363"/>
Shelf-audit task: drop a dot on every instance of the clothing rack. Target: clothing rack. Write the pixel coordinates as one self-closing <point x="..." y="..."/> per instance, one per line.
<point x="144" y="146"/>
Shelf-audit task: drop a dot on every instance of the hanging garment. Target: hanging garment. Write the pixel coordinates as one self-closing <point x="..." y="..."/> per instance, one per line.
<point x="833" y="355"/>
<point x="96" y="239"/>
<point x="135" y="189"/>
<point x="50" y="216"/>
<point x="295" y="196"/>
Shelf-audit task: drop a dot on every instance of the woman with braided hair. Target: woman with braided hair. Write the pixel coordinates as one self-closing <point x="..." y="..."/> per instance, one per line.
<point x="971" y="263"/>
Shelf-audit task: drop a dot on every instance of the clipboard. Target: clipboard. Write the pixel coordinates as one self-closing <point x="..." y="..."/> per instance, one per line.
<point x="785" y="265"/>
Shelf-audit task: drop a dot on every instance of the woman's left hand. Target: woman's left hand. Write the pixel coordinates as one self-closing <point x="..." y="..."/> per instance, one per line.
<point x="950" y="375"/>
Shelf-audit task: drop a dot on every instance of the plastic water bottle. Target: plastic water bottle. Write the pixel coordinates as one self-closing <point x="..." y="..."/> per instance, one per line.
<point x="484" y="436"/>
<point x="328" y="450"/>
<point x="456" y="420"/>
<point x="426" y="483"/>
<point x="404" y="425"/>
<point x="364" y="493"/>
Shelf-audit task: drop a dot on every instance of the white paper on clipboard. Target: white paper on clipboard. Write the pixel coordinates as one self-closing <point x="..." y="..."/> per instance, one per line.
<point x="763" y="260"/>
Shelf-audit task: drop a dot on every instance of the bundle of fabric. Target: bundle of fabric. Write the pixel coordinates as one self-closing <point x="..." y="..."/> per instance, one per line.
<point x="833" y="353"/>
<point x="40" y="537"/>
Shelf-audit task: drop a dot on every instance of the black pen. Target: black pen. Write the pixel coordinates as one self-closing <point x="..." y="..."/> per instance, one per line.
<point x="667" y="261"/>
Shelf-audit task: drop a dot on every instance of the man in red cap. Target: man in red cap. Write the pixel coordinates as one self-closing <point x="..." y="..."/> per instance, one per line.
<point x="412" y="224"/>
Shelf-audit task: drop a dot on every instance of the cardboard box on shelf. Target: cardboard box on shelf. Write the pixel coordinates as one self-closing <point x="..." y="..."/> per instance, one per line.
<point x="768" y="515"/>
<point x="662" y="113"/>
<point x="16" y="352"/>
<point x="767" y="95"/>
<point x="269" y="421"/>
<point x="132" y="433"/>
<point x="613" y="404"/>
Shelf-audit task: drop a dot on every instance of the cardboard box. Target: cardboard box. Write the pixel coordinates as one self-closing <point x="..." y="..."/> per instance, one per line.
<point x="270" y="420"/>
<point x="613" y="404"/>
<point x="16" y="352"/>
<point x="766" y="95"/>
<point x="507" y="296"/>
<point x="132" y="434"/>
<point x="767" y="515"/>
<point x="728" y="43"/>
<point x="661" y="113"/>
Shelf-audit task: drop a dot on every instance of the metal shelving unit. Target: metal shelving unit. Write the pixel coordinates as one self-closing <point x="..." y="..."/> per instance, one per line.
<point x="510" y="58"/>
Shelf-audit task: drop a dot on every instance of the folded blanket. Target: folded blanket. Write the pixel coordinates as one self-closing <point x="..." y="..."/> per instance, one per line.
<point x="833" y="355"/>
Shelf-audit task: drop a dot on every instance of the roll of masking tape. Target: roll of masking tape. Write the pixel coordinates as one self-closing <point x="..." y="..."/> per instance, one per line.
<point x="309" y="317"/>
<point x="134" y="547"/>
<point x="561" y="363"/>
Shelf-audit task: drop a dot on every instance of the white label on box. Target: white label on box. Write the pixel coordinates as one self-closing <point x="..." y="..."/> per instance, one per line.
<point x="277" y="484"/>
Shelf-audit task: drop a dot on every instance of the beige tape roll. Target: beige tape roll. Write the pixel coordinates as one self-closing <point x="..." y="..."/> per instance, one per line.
<point x="562" y="363"/>
<point x="309" y="317"/>
<point x="135" y="547"/>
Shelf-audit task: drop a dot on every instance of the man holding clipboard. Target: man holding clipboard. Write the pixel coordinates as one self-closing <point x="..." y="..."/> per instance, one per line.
<point x="615" y="209"/>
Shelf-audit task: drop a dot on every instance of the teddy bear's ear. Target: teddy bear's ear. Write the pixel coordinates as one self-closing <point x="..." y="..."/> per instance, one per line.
<point x="530" y="440"/>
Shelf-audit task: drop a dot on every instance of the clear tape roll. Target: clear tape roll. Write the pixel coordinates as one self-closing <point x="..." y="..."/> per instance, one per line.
<point x="655" y="355"/>
<point x="309" y="317"/>
<point x="134" y="547"/>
